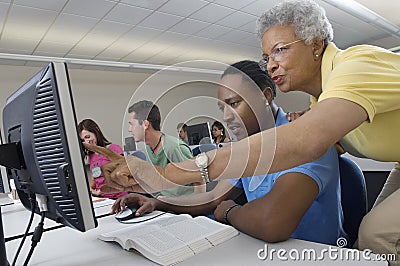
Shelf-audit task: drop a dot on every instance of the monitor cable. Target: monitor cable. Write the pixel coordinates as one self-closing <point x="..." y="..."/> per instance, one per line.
<point x="37" y="234"/>
<point x="33" y="203"/>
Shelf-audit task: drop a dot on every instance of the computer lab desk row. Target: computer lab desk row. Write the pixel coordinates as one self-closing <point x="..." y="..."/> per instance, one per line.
<point x="66" y="246"/>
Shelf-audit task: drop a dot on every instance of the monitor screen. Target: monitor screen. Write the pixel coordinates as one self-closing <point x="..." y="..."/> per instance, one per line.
<point x="199" y="134"/>
<point x="46" y="161"/>
<point x="130" y="144"/>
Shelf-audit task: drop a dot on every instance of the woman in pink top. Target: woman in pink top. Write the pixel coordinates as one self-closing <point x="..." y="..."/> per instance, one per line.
<point x="90" y="132"/>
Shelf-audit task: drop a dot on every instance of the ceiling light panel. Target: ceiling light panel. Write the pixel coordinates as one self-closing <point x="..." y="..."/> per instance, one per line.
<point x="182" y="7"/>
<point x="212" y="13"/>
<point x="213" y="31"/>
<point x="236" y="20"/>
<point x="189" y="26"/>
<point x="160" y="21"/>
<point x="69" y="29"/>
<point x="55" y="5"/>
<point x="131" y="15"/>
<point x="258" y="7"/>
<point x="89" y="8"/>
<point x="150" y="4"/>
<point x="234" y="4"/>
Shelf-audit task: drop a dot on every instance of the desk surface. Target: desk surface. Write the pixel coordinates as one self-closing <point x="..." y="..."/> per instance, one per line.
<point x="66" y="246"/>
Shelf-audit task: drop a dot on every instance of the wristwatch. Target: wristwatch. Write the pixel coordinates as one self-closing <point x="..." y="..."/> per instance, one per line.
<point x="202" y="164"/>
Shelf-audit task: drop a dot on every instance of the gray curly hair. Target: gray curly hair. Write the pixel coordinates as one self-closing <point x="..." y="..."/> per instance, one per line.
<point x="307" y="17"/>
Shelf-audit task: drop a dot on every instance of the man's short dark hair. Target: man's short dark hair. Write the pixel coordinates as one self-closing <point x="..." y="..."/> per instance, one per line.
<point x="253" y="71"/>
<point x="146" y="110"/>
<point x="182" y="125"/>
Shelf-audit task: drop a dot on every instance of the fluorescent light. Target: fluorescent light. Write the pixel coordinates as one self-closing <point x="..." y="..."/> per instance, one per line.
<point x="78" y="61"/>
<point x="360" y="11"/>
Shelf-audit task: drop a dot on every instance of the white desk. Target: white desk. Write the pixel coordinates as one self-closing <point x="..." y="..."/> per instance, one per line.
<point x="66" y="246"/>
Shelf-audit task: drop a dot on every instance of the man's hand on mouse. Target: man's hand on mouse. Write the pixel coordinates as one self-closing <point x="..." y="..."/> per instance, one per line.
<point x="129" y="173"/>
<point x="146" y="204"/>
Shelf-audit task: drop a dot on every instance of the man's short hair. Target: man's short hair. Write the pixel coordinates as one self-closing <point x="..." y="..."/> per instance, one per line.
<point x="147" y="110"/>
<point x="182" y="125"/>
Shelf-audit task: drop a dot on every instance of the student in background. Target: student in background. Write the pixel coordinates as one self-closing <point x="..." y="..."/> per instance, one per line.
<point x="161" y="148"/>
<point x="218" y="133"/>
<point x="182" y="133"/>
<point x="302" y="202"/>
<point x="90" y="132"/>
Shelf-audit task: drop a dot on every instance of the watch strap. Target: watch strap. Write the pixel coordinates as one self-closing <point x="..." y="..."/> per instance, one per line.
<point x="204" y="175"/>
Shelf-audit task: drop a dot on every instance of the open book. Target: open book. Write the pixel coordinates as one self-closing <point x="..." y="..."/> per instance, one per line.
<point x="172" y="238"/>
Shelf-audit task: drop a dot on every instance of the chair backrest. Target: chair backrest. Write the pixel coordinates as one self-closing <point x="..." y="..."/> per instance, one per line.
<point x="140" y="155"/>
<point x="354" y="197"/>
<point x="203" y="148"/>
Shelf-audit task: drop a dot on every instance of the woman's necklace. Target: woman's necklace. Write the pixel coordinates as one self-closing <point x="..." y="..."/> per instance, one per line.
<point x="158" y="143"/>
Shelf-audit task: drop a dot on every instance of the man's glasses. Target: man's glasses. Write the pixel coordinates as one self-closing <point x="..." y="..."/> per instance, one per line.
<point x="276" y="55"/>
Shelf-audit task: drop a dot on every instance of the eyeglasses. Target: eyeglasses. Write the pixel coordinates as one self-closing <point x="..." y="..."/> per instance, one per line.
<point x="276" y="55"/>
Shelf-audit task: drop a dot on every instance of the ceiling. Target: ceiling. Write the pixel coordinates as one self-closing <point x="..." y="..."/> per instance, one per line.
<point x="162" y="32"/>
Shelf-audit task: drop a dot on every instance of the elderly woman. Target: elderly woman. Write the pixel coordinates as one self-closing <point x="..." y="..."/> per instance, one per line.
<point x="356" y="101"/>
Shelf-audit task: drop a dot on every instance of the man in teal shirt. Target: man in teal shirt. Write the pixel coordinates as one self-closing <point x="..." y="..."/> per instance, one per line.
<point x="161" y="148"/>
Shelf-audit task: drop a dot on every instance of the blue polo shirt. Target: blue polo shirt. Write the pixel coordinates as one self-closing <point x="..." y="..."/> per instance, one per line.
<point x="323" y="222"/>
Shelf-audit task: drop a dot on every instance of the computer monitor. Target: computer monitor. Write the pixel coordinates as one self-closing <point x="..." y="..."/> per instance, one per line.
<point x="199" y="133"/>
<point x="40" y="123"/>
<point x="44" y="151"/>
<point x="130" y="145"/>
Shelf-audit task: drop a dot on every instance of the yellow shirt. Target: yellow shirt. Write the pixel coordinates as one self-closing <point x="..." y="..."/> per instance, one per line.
<point x="369" y="76"/>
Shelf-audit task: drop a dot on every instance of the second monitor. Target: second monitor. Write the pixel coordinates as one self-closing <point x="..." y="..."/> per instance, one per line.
<point x="199" y="133"/>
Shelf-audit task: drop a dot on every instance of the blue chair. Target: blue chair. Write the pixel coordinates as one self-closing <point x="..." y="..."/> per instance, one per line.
<point x="140" y="155"/>
<point x="204" y="148"/>
<point x="354" y="197"/>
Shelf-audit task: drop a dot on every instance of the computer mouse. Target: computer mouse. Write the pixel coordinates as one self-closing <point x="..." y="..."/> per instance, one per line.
<point x="128" y="213"/>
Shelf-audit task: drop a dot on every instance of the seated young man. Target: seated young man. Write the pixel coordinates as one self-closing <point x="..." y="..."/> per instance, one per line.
<point x="161" y="148"/>
<point x="303" y="202"/>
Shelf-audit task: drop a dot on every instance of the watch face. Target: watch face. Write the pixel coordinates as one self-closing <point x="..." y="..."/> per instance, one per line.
<point x="201" y="160"/>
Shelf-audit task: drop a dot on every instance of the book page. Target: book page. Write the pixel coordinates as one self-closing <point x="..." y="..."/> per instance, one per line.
<point x="172" y="239"/>
<point x="180" y="231"/>
<point x="138" y="229"/>
<point x="190" y="230"/>
<point x="161" y="242"/>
